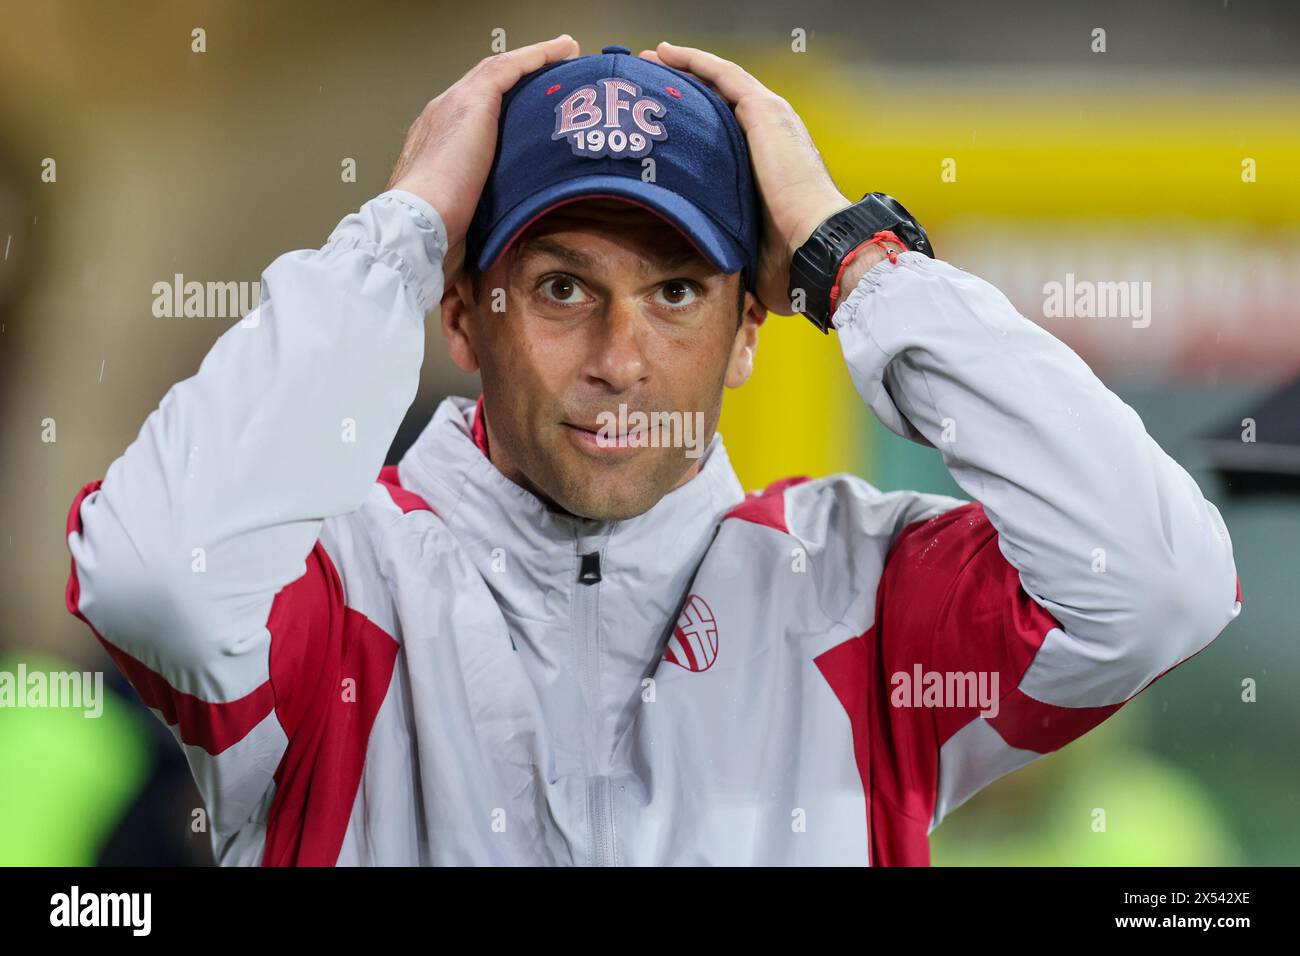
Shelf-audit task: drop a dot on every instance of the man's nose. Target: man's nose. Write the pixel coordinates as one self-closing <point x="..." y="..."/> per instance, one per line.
<point x="618" y="358"/>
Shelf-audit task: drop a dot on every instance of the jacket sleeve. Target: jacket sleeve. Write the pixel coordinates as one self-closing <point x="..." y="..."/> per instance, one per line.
<point x="215" y="509"/>
<point x="1089" y="565"/>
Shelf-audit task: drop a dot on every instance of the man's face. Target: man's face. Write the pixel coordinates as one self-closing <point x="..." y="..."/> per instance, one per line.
<point x="604" y="304"/>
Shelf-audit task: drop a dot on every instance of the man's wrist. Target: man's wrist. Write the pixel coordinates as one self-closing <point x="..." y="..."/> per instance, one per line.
<point x="862" y="263"/>
<point x="853" y="263"/>
<point x="828" y="207"/>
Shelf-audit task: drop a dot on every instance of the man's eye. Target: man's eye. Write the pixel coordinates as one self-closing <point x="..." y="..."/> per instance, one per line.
<point x="561" y="288"/>
<point x="678" y="293"/>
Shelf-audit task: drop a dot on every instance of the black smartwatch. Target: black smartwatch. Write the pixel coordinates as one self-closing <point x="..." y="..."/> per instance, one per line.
<point x="815" y="266"/>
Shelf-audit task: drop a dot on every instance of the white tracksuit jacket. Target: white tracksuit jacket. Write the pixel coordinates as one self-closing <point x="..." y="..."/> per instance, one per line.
<point x="407" y="669"/>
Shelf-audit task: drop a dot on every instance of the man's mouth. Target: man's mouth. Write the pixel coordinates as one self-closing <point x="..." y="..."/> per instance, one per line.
<point x="602" y="438"/>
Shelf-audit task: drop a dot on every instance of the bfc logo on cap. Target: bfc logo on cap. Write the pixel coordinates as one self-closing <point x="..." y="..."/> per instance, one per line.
<point x="610" y="118"/>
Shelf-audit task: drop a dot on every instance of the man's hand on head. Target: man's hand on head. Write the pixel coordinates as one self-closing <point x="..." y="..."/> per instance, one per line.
<point x="448" y="151"/>
<point x="795" y="189"/>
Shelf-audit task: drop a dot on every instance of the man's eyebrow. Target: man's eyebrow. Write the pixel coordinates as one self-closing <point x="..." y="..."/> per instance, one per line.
<point x="548" y="247"/>
<point x="664" y="261"/>
<point x="679" y="257"/>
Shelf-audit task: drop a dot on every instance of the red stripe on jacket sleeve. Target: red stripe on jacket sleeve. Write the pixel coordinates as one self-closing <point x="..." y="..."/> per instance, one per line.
<point x="212" y="726"/>
<point x="330" y="669"/>
<point x="1034" y="725"/>
<point x="948" y="602"/>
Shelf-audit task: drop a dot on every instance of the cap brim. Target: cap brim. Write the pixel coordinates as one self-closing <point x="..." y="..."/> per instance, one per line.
<point x="699" y="229"/>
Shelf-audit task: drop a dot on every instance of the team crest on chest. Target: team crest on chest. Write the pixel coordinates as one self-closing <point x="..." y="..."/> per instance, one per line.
<point x="694" y="641"/>
<point x="610" y="118"/>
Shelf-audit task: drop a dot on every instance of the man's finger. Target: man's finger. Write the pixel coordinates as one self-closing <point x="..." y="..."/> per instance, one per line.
<point x="653" y="57"/>
<point x="517" y="63"/>
<point x="730" y="81"/>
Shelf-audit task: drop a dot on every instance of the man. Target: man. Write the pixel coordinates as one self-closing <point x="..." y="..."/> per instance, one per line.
<point x="543" y="638"/>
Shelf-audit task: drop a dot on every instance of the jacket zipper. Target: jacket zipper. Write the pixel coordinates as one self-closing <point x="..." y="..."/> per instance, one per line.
<point x="600" y="818"/>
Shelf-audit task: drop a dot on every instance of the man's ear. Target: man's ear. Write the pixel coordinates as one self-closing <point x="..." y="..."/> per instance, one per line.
<point x="741" y="364"/>
<point x="458" y="312"/>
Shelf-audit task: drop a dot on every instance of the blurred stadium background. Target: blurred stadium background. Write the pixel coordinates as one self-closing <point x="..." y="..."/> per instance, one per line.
<point x="1114" y="166"/>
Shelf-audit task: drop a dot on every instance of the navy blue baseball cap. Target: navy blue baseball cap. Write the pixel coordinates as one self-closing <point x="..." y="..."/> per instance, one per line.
<point x="613" y="125"/>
